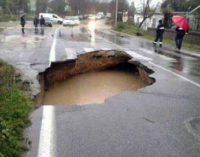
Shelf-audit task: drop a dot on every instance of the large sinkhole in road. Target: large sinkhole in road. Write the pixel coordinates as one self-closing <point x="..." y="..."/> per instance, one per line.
<point x="91" y="78"/>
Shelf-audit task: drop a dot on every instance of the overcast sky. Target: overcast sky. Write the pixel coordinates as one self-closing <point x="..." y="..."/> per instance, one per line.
<point x="138" y="2"/>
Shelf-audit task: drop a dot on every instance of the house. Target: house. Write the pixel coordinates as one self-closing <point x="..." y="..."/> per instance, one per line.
<point x="150" y="22"/>
<point x="122" y="16"/>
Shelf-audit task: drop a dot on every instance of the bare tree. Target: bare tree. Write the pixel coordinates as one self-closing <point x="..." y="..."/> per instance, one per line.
<point x="122" y="6"/>
<point x="132" y="9"/>
<point x="147" y="12"/>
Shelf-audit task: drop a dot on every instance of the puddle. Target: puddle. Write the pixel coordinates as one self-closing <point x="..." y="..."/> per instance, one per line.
<point x="93" y="87"/>
<point x="20" y="41"/>
<point x="91" y="78"/>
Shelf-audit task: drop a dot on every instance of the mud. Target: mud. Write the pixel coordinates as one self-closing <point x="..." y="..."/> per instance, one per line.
<point x="93" y="87"/>
<point x="91" y="78"/>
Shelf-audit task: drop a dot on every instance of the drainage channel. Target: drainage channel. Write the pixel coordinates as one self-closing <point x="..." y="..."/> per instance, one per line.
<point x="91" y="78"/>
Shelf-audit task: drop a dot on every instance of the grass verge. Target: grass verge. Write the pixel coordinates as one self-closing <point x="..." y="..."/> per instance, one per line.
<point x="132" y="30"/>
<point x="15" y="108"/>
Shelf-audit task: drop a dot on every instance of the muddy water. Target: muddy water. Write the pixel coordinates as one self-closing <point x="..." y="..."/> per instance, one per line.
<point x="92" y="88"/>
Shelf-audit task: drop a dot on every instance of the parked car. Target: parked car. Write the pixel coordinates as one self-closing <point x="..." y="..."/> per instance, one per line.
<point x="71" y="21"/>
<point x="100" y="15"/>
<point x="53" y="17"/>
<point x="81" y="17"/>
<point x="48" y="22"/>
<point x="92" y="17"/>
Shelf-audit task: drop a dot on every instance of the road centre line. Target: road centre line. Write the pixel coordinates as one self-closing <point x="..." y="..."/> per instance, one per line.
<point x="47" y="142"/>
<point x="160" y="67"/>
<point x="52" y="55"/>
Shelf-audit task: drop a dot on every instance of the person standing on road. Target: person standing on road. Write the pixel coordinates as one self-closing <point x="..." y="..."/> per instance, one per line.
<point x="23" y="22"/>
<point x="180" y="33"/>
<point x="42" y="25"/>
<point x="159" y="33"/>
<point x="35" y="23"/>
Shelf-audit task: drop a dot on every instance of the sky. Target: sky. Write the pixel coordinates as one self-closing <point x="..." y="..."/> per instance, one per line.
<point x="138" y="2"/>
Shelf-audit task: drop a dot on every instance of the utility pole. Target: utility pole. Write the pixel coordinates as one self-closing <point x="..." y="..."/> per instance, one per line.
<point x="116" y="12"/>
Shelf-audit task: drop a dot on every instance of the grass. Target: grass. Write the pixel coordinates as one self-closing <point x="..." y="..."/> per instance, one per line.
<point x="132" y="30"/>
<point x="15" y="108"/>
<point x="7" y="17"/>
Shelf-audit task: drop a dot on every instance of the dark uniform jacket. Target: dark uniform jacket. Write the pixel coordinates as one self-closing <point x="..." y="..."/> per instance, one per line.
<point x="36" y="22"/>
<point x="22" y="21"/>
<point x="42" y="22"/>
<point x="160" y="29"/>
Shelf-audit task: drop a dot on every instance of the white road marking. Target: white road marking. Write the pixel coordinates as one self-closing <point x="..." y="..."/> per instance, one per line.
<point x="106" y="49"/>
<point x="47" y="140"/>
<point x="71" y="53"/>
<point x="182" y="77"/>
<point x="47" y="132"/>
<point x="52" y="55"/>
<point x="137" y="56"/>
<point x="161" y="56"/>
<point x="88" y="49"/>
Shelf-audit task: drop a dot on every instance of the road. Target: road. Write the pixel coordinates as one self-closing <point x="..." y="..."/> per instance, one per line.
<point x="159" y="120"/>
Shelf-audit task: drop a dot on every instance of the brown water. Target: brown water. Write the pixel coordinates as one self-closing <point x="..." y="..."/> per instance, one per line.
<point x="92" y="88"/>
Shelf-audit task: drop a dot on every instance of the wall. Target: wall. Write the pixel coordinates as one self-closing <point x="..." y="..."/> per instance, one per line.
<point x="192" y="37"/>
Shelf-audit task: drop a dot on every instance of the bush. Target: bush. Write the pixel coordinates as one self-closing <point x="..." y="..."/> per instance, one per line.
<point x="121" y="25"/>
<point x="15" y="108"/>
<point x="6" y="17"/>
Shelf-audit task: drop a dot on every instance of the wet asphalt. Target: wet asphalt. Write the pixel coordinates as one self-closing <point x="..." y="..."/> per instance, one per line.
<point x="151" y="122"/>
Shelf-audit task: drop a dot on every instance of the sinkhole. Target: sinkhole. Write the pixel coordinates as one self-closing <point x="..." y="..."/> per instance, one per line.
<point x="91" y="78"/>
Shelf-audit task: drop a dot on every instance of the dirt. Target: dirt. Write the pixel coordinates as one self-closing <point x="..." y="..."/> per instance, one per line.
<point x="91" y="78"/>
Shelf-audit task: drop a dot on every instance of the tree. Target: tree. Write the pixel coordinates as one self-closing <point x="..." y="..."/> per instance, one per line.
<point x="57" y="6"/>
<point x="14" y="6"/>
<point x="180" y="5"/>
<point x="88" y="6"/>
<point x="147" y="11"/>
<point x="167" y="13"/>
<point x="132" y="9"/>
<point x="41" y="5"/>
<point x="123" y="6"/>
<point x="170" y="6"/>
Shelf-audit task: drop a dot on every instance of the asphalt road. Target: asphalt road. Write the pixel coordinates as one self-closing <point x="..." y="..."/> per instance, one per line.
<point x="159" y="120"/>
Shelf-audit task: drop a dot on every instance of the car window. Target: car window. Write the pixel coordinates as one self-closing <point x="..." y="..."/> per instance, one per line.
<point x="68" y="18"/>
<point x="54" y="16"/>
